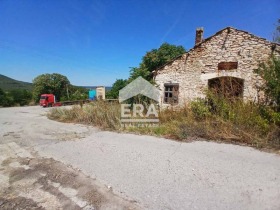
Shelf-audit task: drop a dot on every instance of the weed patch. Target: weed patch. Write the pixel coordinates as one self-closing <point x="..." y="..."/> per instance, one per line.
<point x="221" y="120"/>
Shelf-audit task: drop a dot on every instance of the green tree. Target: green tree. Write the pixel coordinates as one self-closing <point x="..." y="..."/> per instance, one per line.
<point x="75" y="93"/>
<point x="135" y="72"/>
<point x="56" y="84"/>
<point x="270" y="72"/>
<point x="2" y="97"/>
<point x="5" y="99"/>
<point x="21" y="97"/>
<point x="114" y="92"/>
<point x="155" y="59"/>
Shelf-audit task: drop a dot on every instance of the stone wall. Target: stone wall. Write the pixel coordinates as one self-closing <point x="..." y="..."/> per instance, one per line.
<point x="193" y="69"/>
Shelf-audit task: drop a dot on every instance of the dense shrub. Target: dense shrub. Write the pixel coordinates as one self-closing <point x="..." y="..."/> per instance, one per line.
<point x="15" y="98"/>
<point x="270" y="72"/>
<point x="230" y="121"/>
<point x="200" y="109"/>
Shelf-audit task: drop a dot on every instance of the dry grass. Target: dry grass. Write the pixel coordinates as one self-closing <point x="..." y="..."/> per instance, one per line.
<point x="228" y="121"/>
<point x="102" y="114"/>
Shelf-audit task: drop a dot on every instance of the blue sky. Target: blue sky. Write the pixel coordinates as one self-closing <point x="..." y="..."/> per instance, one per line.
<point x="95" y="42"/>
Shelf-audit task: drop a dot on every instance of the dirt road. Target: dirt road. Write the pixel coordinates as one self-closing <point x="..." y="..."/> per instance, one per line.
<point x="52" y="165"/>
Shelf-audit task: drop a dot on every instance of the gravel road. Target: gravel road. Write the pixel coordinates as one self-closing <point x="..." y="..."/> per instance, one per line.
<point x="152" y="173"/>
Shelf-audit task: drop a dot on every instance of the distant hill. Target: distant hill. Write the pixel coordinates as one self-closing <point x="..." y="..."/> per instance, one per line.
<point x="7" y="83"/>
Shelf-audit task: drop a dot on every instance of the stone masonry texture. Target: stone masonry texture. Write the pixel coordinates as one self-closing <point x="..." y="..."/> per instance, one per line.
<point x="193" y="69"/>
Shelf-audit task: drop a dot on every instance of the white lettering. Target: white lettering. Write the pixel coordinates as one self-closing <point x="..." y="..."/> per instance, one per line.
<point x="125" y="111"/>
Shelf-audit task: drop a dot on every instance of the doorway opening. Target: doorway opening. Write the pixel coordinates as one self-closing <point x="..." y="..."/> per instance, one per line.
<point x="227" y="87"/>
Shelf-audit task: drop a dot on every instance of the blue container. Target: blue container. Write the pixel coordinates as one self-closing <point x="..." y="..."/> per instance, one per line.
<point x="92" y="94"/>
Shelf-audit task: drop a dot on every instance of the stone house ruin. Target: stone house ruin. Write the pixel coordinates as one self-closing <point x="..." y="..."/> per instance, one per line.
<point x="224" y="62"/>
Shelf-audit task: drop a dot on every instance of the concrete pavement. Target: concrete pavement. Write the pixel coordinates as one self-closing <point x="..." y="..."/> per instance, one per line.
<point x="154" y="172"/>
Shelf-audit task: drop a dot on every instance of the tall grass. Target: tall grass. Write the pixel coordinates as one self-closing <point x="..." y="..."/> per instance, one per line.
<point x="221" y="120"/>
<point x="230" y="121"/>
<point x="226" y="120"/>
<point x="99" y="113"/>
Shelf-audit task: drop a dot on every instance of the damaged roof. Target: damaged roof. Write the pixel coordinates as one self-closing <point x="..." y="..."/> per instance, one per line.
<point x="229" y="28"/>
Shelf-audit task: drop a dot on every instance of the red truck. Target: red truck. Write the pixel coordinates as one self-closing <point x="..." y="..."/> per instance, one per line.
<point x="48" y="100"/>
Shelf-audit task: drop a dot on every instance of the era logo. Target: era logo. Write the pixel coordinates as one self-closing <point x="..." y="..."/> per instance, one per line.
<point x="138" y="110"/>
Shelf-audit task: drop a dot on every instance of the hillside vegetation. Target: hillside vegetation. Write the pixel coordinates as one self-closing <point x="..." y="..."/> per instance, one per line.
<point x="7" y="84"/>
<point x="18" y="93"/>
